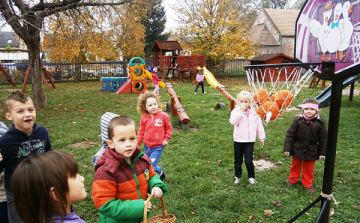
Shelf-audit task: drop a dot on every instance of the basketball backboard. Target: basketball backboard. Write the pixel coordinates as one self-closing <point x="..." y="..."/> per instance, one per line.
<point x="329" y="31"/>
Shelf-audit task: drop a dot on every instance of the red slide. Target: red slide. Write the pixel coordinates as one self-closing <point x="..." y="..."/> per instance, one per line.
<point x="125" y="88"/>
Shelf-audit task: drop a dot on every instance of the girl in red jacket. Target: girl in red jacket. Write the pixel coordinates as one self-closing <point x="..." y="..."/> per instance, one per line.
<point x="155" y="129"/>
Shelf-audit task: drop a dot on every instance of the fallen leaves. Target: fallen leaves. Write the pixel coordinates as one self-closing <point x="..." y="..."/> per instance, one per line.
<point x="268" y="213"/>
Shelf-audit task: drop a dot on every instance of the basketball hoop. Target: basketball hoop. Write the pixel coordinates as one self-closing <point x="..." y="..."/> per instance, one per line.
<point x="275" y="86"/>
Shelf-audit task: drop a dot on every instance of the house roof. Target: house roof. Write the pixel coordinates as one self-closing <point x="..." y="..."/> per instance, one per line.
<point x="284" y="20"/>
<point x="262" y="35"/>
<point x="8" y="38"/>
<point x="166" y="46"/>
<point x="267" y="57"/>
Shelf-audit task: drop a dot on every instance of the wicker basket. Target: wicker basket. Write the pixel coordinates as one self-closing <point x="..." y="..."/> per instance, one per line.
<point x="164" y="218"/>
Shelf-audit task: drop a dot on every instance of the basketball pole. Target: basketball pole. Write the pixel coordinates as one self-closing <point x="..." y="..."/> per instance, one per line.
<point x="333" y="128"/>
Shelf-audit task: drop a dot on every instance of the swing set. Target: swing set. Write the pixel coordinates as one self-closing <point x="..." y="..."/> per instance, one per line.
<point x="26" y="78"/>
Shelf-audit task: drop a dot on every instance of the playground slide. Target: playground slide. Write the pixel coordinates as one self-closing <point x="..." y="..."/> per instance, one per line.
<point x="125" y="88"/>
<point x="211" y="79"/>
<point x="325" y="96"/>
<point x="148" y="75"/>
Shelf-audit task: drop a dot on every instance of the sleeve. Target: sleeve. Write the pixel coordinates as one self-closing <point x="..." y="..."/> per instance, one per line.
<point x="168" y="127"/>
<point x="260" y="131"/>
<point x="156" y="182"/>
<point x="104" y="193"/>
<point x="290" y="137"/>
<point x="198" y="77"/>
<point x="236" y="116"/>
<point x="4" y="154"/>
<point x="141" y="132"/>
<point x="48" y="143"/>
<point x="323" y="134"/>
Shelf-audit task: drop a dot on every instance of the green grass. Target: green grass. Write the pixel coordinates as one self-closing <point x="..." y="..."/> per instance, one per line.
<point x="199" y="161"/>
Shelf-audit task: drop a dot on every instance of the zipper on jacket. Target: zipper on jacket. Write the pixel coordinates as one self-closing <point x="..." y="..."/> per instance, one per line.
<point x="135" y="177"/>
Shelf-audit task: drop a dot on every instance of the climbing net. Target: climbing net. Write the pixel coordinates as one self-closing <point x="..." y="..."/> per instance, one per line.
<point x="274" y="87"/>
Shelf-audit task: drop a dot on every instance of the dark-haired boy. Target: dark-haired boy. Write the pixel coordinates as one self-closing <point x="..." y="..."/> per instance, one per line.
<point x="22" y="139"/>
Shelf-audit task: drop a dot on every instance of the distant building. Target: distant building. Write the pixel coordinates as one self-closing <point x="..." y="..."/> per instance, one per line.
<point x="8" y="39"/>
<point x="273" y="31"/>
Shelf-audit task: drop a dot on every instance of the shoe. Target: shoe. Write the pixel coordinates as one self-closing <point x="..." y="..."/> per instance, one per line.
<point x="162" y="176"/>
<point x="205" y="92"/>
<point x="310" y="189"/>
<point x="290" y="183"/>
<point x="252" y="181"/>
<point x="237" y="180"/>
<point x="195" y="93"/>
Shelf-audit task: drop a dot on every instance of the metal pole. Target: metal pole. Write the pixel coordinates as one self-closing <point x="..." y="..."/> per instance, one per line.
<point x="333" y="127"/>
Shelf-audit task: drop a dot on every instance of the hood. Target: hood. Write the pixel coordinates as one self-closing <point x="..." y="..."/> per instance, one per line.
<point x="3" y="128"/>
<point x="113" y="160"/>
<point x="104" y="121"/>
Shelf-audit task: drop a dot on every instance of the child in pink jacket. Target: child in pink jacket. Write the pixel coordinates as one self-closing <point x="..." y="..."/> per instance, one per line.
<point x="247" y="125"/>
<point x="155" y="80"/>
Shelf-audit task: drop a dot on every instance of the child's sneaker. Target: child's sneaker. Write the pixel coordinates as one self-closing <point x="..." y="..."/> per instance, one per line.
<point x="290" y="183"/>
<point x="252" y="181"/>
<point x="162" y="176"/>
<point x="205" y="92"/>
<point x="195" y="93"/>
<point x="310" y="189"/>
<point x="237" y="180"/>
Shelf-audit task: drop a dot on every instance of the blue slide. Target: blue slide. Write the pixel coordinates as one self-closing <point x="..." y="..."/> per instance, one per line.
<point x="324" y="97"/>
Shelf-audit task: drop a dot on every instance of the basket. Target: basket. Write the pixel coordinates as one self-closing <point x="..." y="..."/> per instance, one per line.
<point x="164" y="218"/>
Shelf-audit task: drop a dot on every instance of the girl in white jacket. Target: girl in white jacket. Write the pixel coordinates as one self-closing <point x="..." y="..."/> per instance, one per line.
<point x="247" y="125"/>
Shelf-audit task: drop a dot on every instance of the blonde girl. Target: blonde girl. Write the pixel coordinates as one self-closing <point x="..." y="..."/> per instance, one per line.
<point x="155" y="129"/>
<point x="45" y="186"/>
<point x="247" y="125"/>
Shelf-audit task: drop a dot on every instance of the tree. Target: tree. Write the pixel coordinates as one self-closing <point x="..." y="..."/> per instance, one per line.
<point x="27" y="19"/>
<point x="275" y="4"/>
<point x="213" y="28"/>
<point x="89" y="44"/>
<point x="154" y="22"/>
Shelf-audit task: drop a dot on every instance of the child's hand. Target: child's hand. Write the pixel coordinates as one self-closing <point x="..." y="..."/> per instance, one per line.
<point x="321" y="157"/>
<point x="242" y="107"/>
<point x="262" y="143"/>
<point x="149" y="206"/>
<point x="287" y="153"/>
<point x="157" y="192"/>
<point x="1" y="158"/>
<point x="165" y="143"/>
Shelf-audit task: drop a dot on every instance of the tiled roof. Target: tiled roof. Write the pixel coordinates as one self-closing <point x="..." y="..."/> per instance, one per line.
<point x="284" y="20"/>
<point x="167" y="45"/>
<point x="8" y="38"/>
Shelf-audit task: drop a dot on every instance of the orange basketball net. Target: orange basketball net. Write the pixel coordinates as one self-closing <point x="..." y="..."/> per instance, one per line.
<point x="274" y="87"/>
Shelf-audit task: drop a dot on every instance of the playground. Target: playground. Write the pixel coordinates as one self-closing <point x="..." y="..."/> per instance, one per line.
<point x="199" y="163"/>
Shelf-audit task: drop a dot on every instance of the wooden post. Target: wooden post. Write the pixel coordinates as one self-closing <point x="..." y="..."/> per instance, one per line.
<point x="7" y="75"/>
<point x="176" y="105"/>
<point x="351" y="95"/>
<point x="25" y="79"/>
<point x="45" y="81"/>
<point x="228" y="96"/>
<point x="48" y="76"/>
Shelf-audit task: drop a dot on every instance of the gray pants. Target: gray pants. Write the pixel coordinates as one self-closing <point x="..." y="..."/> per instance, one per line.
<point x="12" y="213"/>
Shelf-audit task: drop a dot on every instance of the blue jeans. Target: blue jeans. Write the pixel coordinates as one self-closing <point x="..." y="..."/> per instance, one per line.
<point x="12" y="213"/>
<point x="202" y="87"/>
<point x="241" y="149"/>
<point x="154" y="154"/>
